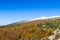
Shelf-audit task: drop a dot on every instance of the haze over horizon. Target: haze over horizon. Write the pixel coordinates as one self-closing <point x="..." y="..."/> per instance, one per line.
<point x="17" y="10"/>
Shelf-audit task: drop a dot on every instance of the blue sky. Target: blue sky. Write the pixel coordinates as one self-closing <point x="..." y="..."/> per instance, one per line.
<point x="17" y="10"/>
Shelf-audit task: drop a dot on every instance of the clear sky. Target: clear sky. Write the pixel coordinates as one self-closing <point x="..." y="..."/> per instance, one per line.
<point x="17" y="10"/>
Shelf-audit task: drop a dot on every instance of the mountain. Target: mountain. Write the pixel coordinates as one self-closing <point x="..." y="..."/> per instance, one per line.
<point x="37" y="19"/>
<point x="34" y="29"/>
<point x="41" y="18"/>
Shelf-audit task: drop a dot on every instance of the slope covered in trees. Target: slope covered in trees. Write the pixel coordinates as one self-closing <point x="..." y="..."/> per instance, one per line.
<point x="33" y="30"/>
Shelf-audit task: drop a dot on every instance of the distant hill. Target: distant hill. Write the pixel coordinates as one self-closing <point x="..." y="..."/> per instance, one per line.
<point x="38" y="19"/>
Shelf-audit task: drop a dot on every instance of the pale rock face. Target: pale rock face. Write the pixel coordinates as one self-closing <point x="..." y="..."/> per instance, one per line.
<point x="58" y="31"/>
<point x="58" y="39"/>
<point x="55" y="33"/>
<point x="51" y="37"/>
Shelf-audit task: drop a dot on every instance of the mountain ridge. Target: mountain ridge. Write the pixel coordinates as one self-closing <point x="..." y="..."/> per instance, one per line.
<point x="41" y="18"/>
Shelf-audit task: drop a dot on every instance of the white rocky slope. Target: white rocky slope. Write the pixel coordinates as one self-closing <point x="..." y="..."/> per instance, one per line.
<point x="43" y="18"/>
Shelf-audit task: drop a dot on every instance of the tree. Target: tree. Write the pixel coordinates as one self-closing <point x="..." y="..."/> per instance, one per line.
<point x="39" y="25"/>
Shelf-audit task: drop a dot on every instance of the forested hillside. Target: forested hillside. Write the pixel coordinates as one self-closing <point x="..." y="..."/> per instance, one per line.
<point x="33" y="30"/>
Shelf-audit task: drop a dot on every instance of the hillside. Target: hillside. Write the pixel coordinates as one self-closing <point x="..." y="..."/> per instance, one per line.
<point x="30" y="30"/>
